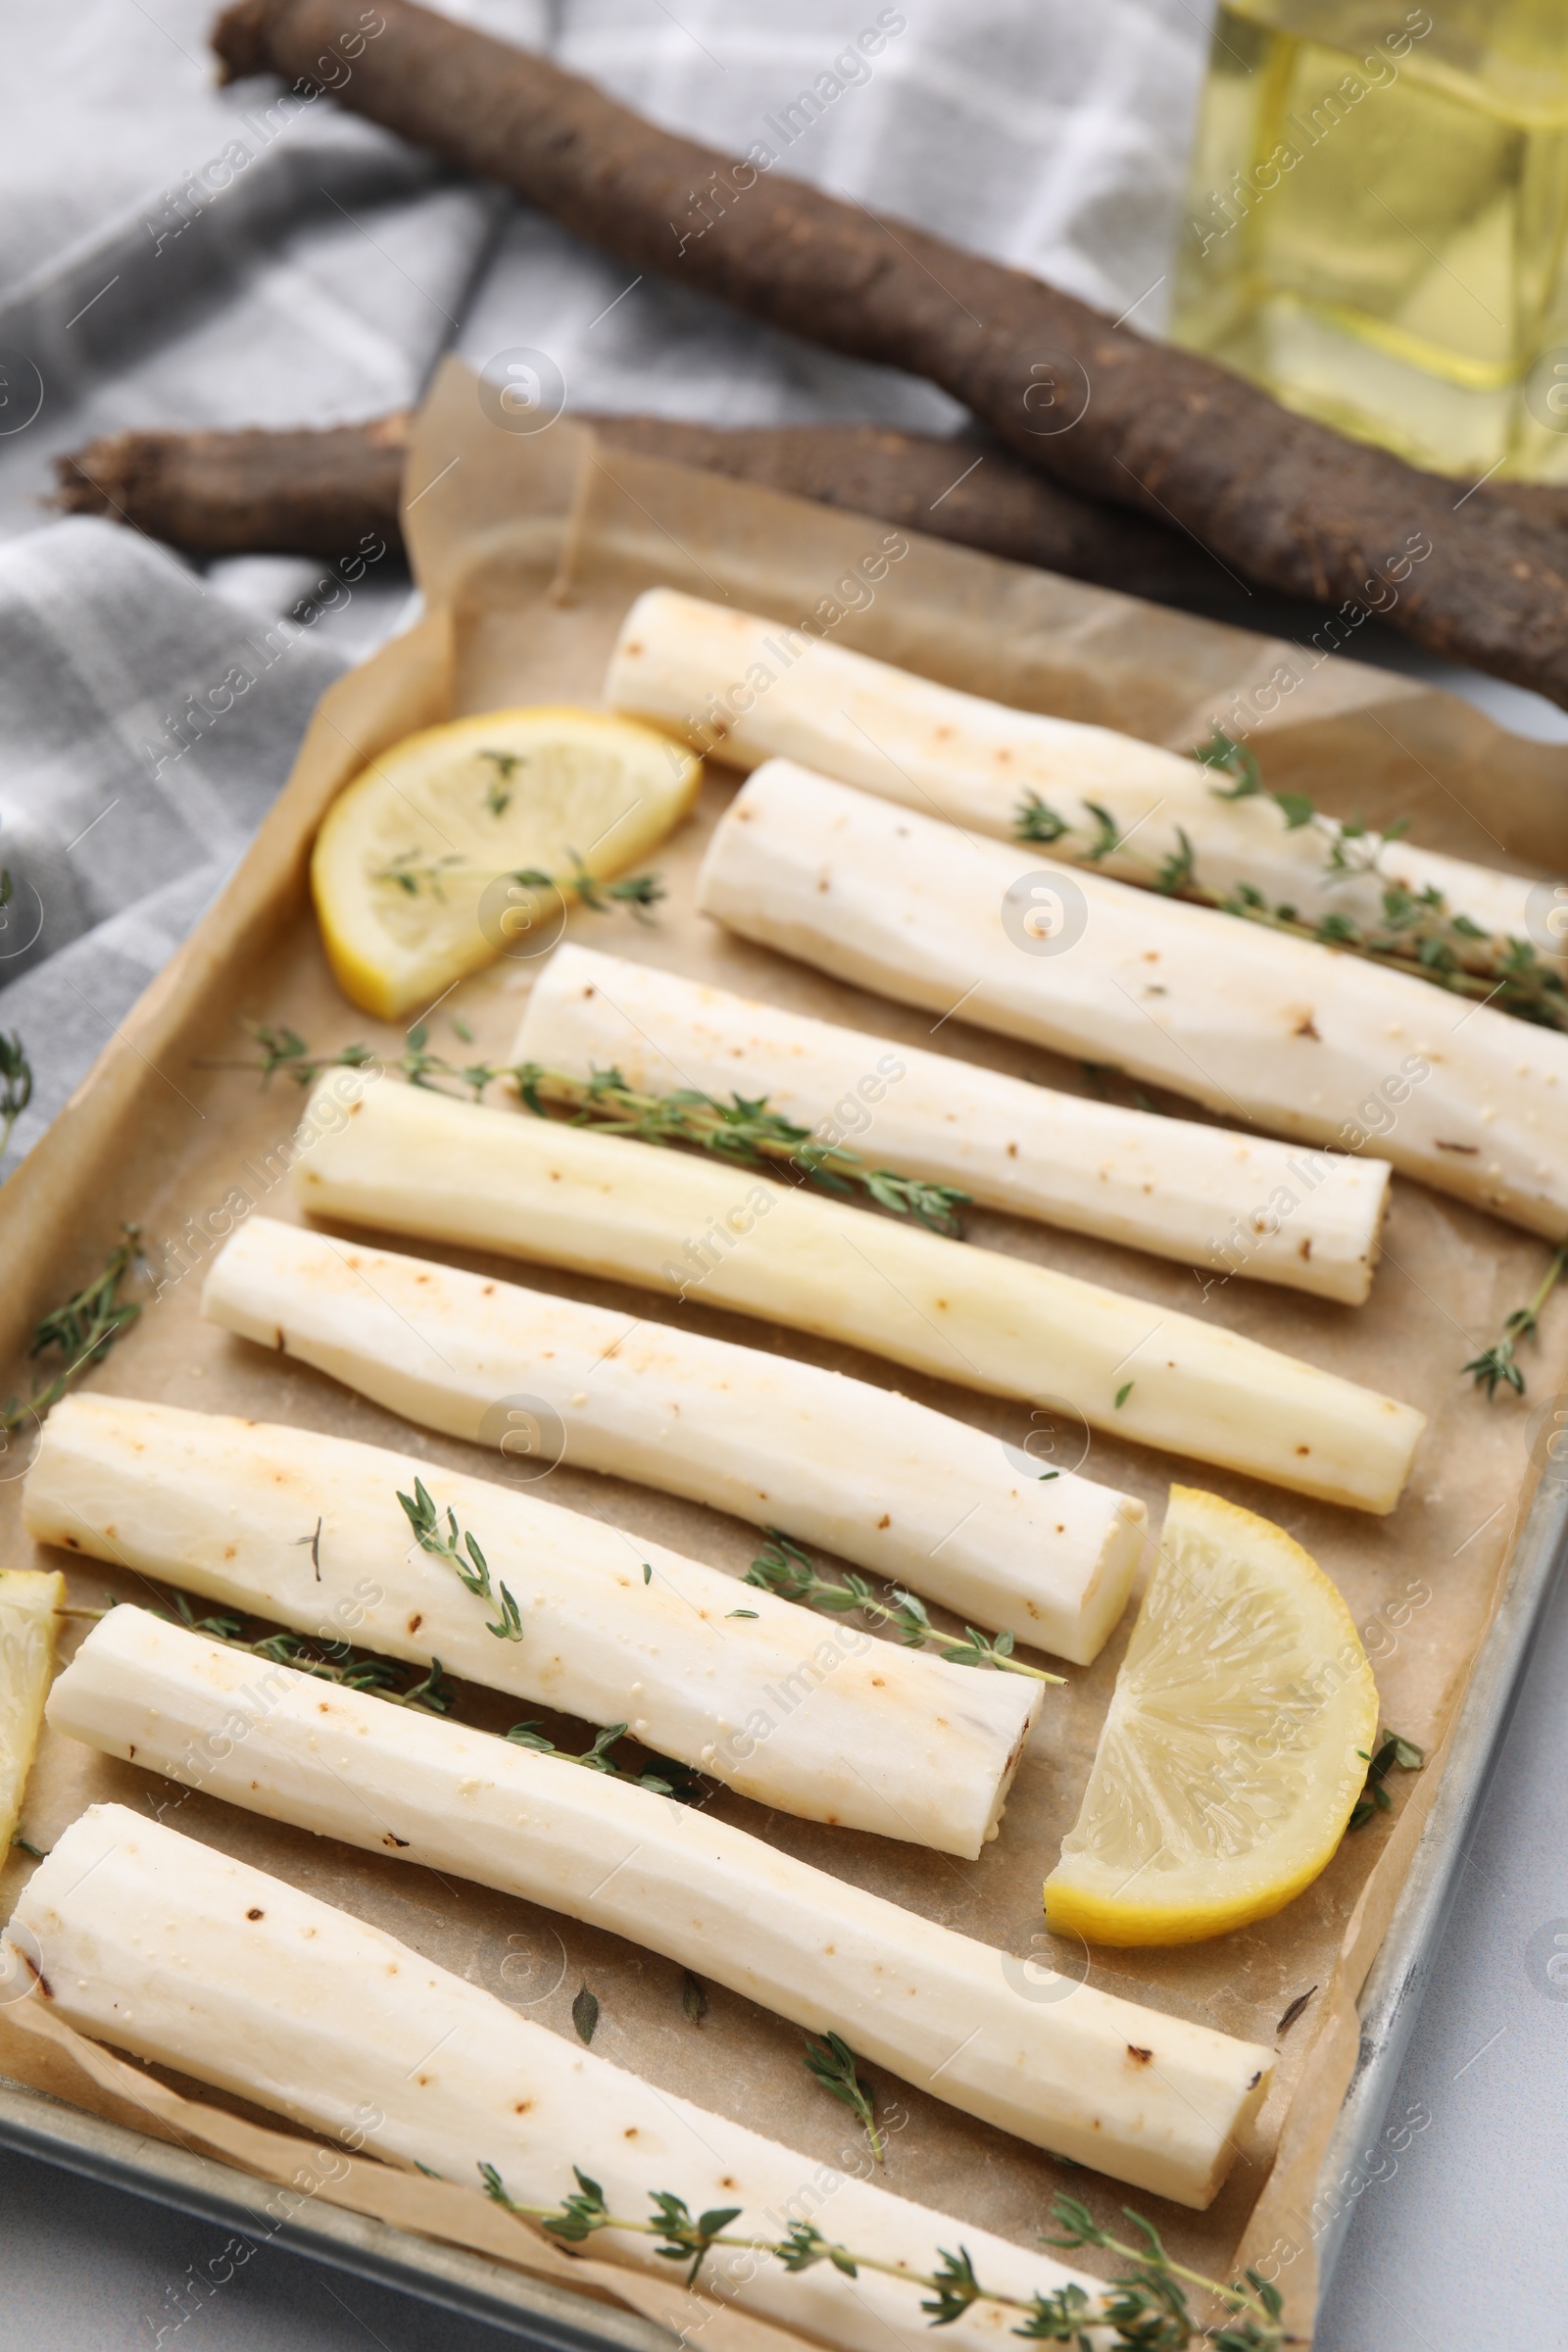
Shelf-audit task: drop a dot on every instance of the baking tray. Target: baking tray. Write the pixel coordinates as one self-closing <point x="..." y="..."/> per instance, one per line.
<point x="454" y="2280"/>
<point x="189" y="2182"/>
<point x="585" y="528"/>
<point x="1396" y="1981"/>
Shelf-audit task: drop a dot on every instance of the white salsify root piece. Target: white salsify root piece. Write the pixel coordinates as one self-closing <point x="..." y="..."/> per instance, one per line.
<point x="909" y="1494"/>
<point x="31" y="1600"/>
<point x="1285" y="1032"/>
<point x="407" y="1159"/>
<point x="161" y="1948"/>
<point x="1148" y="2099"/>
<point x="746" y="690"/>
<point x="1172" y="1186"/>
<point x="813" y="1717"/>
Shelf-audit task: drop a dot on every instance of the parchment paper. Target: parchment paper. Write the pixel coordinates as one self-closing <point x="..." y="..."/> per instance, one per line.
<point x="530" y="547"/>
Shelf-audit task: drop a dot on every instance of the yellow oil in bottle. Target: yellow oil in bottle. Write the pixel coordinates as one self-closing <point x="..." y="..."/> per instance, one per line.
<point x="1377" y="222"/>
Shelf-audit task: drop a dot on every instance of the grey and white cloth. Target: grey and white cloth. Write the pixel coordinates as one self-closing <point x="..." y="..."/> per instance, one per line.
<point x="176" y="255"/>
<point x="121" y="812"/>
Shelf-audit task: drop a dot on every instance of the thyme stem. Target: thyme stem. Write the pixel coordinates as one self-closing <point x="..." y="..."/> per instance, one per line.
<point x="82" y="1331"/>
<point x="1419" y="934"/>
<point x="433" y="1696"/>
<point x="413" y="873"/>
<point x="742" y="1132"/>
<point x="1146" y="2305"/>
<point x="1499" y="1362"/>
<point x="683" y="1784"/>
<point x="380" y="1676"/>
<point x="785" y="1569"/>
<point x="1374" y="1798"/>
<point x="832" y="2063"/>
<point x="461" y="1552"/>
<point x="15" y="1083"/>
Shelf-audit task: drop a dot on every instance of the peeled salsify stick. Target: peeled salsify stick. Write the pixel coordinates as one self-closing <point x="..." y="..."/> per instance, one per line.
<point x="896" y="1488"/>
<point x="407" y="1159"/>
<point x="159" y="1946"/>
<point x="1172" y="1186"/>
<point x="748" y="690"/>
<point x="819" y="1719"/>
<point x="1148" y="2098"/>
<point x="31" y="1600"/>
<point x="1258" y="1026"/>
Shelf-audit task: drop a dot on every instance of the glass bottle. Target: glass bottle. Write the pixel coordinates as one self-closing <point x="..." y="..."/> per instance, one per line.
<point x="1377" y="222"/>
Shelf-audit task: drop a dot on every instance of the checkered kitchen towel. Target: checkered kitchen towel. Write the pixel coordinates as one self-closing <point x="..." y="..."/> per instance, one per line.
<point x="171" y="254"/>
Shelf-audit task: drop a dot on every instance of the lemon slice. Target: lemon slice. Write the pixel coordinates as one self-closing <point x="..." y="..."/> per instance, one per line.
<point x="1235" y="1745"/>
<point x="29" y="1599"/>
<point x="410" y="866"/>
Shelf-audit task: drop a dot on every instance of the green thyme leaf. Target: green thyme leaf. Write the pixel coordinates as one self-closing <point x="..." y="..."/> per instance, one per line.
<point x="80" y="1332"/>
<point x="785" y="1569"/>
<point x="693" y="1997"/>
<point x="832" y="2063"/>
<point x="1392" y="1752"/>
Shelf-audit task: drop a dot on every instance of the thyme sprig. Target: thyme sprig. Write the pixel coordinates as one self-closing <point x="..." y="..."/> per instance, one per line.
<point x="693" y="1997"/>
<point x="1419" y="935"/>
<point x="1147" y="2304"/>
<point x="498" y="791"/>
<point x="1419" y="931"/>
<point x="636" y="891"/>
<point x="329" y="1661"/>
<point x="1108" y="834"/>
<point x="670" y="1780"/>
<point x="1228" y="758"/>
<point x="1499" y="1363"/>
<point x="461" y="1552"/>
<point x="15" y="1078"/>
<point x="414" y="874"/>
<point x="742" y="1132"/>
<point x="1035" y="821"/>
<point x="1416" y="931"/>
<point x="283" y="1048"/>
<point x="1374" y="1798"/>
<point x="785" y="1569"/>
<point x="832" y="2063"/>
<point x="80" y="1332"/>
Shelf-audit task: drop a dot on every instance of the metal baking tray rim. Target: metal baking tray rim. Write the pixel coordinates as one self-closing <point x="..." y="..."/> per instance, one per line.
<point x="554" y="2318"/>
<point x="1389" y="2002"/>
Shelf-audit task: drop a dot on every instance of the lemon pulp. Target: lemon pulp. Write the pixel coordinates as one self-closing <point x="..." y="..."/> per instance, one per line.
<point x="407" y="871"/>
<point x="1235" y="1747"/>
<point x="28" y="1600"/>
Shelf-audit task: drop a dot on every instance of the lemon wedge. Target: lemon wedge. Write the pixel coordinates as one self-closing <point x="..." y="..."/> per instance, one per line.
<point x="414" y="868"/>
<point x="28" y="1600"/>
<point x="1236" y="1743"/>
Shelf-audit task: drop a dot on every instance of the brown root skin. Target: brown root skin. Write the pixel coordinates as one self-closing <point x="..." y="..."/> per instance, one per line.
<point x="1280" y="500"/>
<point x="239" y="40"/>
<point x="937" y="486"/>
<point x="248" y="493"/>
<point x="319" y="493"/>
